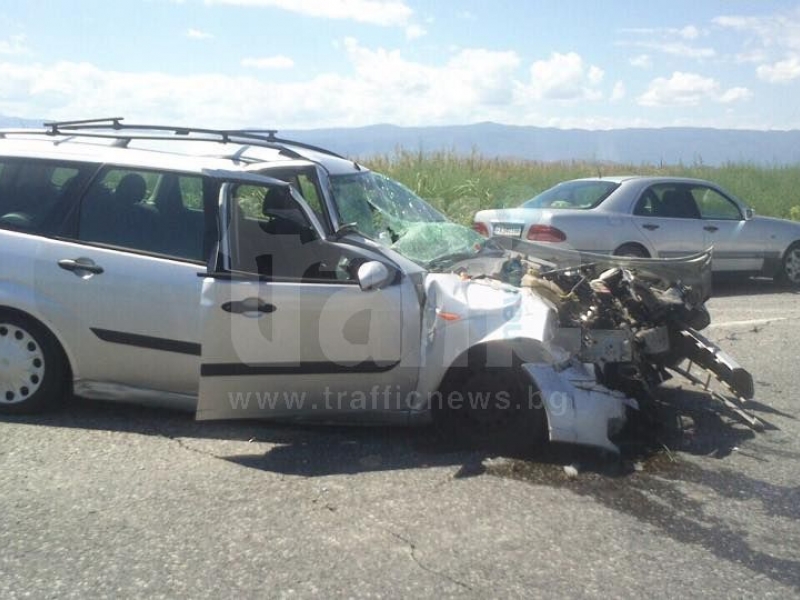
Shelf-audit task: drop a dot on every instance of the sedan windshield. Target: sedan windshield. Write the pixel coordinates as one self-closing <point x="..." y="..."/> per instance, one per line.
<point x="573" y="194"/>
<point x="386" y="211"/>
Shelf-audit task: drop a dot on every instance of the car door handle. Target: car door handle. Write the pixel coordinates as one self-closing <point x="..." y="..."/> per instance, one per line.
<point x="650" y="226"/>
<point x="77" y="265"/>
<point x="249" y="305"/>
<point x="711" y="228"/>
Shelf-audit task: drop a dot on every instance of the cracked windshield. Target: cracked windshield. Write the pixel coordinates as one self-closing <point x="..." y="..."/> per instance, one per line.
<point x="392" y="214"/>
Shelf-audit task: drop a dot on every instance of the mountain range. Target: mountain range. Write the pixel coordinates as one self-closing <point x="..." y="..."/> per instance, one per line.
<point x="668" y="146"/>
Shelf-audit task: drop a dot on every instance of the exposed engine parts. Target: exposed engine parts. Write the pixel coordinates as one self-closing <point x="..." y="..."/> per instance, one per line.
<point x="637" y="329"/>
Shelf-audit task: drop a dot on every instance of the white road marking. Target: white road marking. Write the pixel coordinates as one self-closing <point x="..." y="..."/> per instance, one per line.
<point x="746" y="323"/>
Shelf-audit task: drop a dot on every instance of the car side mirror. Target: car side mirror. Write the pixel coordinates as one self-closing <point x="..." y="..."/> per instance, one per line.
<point x="749" y="213"/>
<point x="374" y="275"/>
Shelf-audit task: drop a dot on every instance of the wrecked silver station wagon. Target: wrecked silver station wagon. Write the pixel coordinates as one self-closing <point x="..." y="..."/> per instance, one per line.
<point x="241" y="275"/>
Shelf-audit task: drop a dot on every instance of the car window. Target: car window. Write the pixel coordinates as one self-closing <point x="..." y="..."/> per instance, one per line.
<point x="306" y="182"/>
<point x="149" y="211"/>
<point x="310" y="193"/>
<point x="270" y="227"/>
<point x="648" y="205"/>
<point x="713" y="205"/>
<point x="670" y="200"/>
<point x="272" y="237"/>
<point x="35" y="194"/>
<point x="573" y="194"/>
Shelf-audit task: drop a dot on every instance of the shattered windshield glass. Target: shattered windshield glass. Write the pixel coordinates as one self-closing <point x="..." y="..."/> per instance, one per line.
<point x="389" y="212"/>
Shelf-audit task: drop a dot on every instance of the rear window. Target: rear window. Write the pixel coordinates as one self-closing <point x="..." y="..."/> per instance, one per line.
<point x="35" y="194"/>
<point x="573" y="194"/>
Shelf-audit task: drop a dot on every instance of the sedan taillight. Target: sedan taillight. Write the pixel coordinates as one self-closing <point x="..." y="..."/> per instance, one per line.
<point x="481" y="228"/>
<point x="546" y="233"/>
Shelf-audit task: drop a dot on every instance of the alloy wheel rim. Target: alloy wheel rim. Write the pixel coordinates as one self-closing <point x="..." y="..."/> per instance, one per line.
<point x="21" y="364"/>
<point x="792" y="265"/>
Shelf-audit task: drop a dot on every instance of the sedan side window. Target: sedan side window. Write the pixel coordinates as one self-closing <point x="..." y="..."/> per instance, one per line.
<point x="669" y="200"/>
<point x="648" y="205"/>
<point x="714" y="205"/>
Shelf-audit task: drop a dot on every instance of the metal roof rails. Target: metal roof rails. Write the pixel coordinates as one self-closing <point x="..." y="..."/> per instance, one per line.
<point x="114" y="128"/>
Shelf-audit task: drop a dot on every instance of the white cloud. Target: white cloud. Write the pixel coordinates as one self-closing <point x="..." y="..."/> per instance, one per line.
<point x="196" y="34"/>
<point x="563" y="77"/>
<point x="668" y="40"/>
<point x="387" y="87"/>
<point x="690" y="32"/>
<point x="641" y="61"/>
<point x="782" y="71"/>
<point x="268" y="62"/>
<point x="773" y="43"/>
<point x="414" y="32"/>
<point x="618" y="93"/>
<point x="471" y="85"/>
<point x="677" y="49"/>
<point x="735" y="94"/>
<point x="758" y="55"/>
<point x="595" y="75"/>
<point x="375" y="12"/>
<point x="781" y="30"/>
<point x="689" y="89"/>
<point x="685" y="50"/>
<point x="14" y="45"/>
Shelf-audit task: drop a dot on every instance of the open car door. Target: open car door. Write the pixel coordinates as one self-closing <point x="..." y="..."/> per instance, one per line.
<point x="287" y="329"/>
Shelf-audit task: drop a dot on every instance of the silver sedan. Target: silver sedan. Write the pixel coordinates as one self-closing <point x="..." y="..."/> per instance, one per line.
<point x="654" y="217"/>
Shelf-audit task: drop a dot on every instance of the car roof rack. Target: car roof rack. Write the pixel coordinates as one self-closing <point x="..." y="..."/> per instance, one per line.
<point x="114" y="128"/>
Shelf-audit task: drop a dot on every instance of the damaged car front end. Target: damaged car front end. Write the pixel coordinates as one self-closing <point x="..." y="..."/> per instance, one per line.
<point x="561" y="344"/>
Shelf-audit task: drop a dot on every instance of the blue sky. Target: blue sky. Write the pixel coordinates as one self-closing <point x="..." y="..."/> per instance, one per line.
<point x="320" y="63"/>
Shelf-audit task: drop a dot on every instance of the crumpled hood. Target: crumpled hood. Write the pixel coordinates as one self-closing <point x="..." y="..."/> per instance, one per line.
<point x="498" y="306"/>
<point x="692" y="271"/>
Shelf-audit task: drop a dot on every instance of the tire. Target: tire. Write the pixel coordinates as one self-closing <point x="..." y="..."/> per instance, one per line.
<point x="789" y="272"/>
<point x="632" y="250"/>
<point x="492" y="409"/>
<point x="32" y="367"/>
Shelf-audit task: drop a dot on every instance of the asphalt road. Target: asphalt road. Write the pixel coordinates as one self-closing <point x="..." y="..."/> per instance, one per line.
<point x="110" y="501"/>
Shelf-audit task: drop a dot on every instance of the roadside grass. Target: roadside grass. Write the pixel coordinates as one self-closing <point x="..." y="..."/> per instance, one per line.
<point x="461" y="185"/>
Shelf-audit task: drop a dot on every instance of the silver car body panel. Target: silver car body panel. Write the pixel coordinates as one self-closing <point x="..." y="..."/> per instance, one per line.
<point x="579" y="409"/>
<point x="462" y="313"/>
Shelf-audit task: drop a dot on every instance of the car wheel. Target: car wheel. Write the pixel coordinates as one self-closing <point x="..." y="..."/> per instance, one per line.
<point x="790" y="266"/>
<point x="491" y="409"/>
<point x="31" y="367"/>
<point x="632" y="250"/>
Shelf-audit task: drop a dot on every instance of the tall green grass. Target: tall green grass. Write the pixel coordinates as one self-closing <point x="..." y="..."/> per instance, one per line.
<point x="461" y="185"/>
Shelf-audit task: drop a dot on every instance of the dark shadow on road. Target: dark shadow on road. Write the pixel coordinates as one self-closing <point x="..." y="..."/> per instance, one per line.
<point x="303" y="449"/>
<point x="685" y="421"/>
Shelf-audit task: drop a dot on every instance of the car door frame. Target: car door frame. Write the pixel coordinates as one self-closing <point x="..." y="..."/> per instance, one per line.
<point x="235" y="379"/>
<point x="99" y="304"/>
<point x="662" y="232"/>
<point x="735" y="245"/>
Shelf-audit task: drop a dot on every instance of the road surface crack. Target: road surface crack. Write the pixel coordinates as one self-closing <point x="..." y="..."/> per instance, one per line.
<point x="412" y="547"/>
<point x="183" y="445"/>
